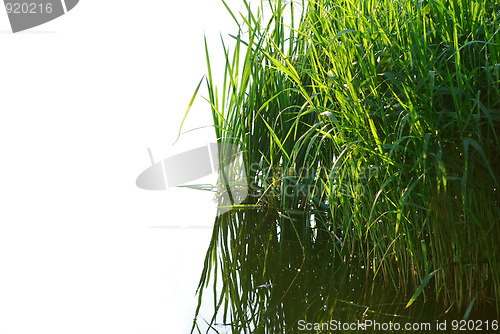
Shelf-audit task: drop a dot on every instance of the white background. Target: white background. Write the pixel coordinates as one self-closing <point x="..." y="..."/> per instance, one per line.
<point x="81" y="100"/>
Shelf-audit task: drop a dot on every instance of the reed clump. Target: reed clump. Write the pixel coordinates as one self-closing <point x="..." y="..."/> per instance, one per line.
<point x="370" y="139"/>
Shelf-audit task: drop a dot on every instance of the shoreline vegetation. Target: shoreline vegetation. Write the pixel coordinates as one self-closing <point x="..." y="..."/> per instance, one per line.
<point x="370" y="138"/>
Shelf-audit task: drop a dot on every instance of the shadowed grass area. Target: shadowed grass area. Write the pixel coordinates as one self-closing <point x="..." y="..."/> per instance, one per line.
<point x="370" y="139"/>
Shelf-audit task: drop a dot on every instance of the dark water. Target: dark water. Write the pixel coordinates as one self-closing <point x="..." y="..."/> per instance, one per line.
<point x="283" y="272"/>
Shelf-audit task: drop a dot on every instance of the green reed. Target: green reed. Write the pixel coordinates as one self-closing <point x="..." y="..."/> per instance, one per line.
<point x="370" y="139"/>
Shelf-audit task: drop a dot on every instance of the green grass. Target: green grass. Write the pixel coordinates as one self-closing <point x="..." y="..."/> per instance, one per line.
<point x="370" y="137"/>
